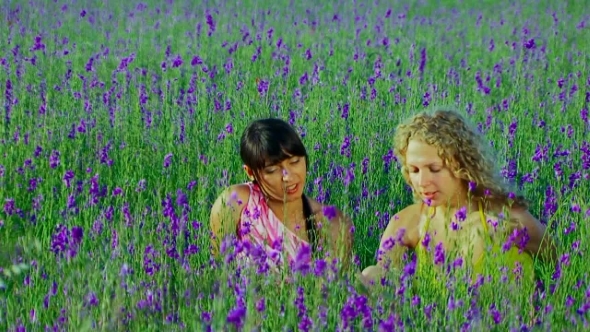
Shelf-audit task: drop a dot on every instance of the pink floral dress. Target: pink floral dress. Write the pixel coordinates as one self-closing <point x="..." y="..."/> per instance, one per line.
<point x="262" y="229"/>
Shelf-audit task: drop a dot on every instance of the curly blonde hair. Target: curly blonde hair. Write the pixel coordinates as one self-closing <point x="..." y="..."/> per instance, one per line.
<point x="462" y="150"/>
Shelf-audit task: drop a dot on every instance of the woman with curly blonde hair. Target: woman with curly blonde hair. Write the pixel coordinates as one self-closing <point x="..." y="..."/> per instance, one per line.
<point x="461" y="204"/>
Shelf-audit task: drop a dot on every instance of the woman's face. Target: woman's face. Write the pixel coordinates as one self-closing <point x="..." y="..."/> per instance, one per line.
<point x="283" y="181"/>
<point x="429" y="176"/>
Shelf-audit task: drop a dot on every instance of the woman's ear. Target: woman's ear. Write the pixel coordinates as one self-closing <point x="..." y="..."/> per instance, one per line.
<point x="249" y="172"/>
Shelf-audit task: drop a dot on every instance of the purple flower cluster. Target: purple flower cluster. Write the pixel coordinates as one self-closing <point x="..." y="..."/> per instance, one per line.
<point x="66" y="241"/>
<point x="113" y="148"/>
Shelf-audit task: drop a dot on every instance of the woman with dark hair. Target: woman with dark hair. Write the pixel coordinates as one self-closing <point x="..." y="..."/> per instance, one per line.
<point x="271" y="211"/>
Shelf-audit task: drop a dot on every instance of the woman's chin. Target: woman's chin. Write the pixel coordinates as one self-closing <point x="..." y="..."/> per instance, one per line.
<point x="286" y="198"/>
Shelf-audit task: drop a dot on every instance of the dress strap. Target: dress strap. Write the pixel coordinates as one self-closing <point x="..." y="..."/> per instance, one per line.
<point x="482" y="217"/>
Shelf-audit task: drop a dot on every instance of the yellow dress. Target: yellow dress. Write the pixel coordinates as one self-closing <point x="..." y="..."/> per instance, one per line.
<point x="488" y="264"/>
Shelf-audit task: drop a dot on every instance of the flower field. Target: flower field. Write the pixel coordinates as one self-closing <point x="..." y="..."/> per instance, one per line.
<point x="121" y="124"/>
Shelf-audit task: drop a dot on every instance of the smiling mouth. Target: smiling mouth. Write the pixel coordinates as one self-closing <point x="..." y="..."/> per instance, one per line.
<point x="291" y="189"/>
<point x="429" y="194"/>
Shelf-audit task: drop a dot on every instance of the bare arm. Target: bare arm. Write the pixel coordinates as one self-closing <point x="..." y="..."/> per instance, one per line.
<point x="339" y="238"/>
<point x="539" y="243"/>
<point x="392" y="245"/>
<point x="397" y="238"/>
<point x="225" y="214"/>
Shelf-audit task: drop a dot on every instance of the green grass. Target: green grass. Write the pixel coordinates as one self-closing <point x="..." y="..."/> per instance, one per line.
<point x="118" y="229"/>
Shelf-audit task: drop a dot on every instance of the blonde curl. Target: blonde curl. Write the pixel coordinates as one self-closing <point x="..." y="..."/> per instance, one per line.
<point x="462" y="150"/>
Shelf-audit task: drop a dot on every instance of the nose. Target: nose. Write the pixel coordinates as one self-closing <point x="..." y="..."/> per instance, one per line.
<point x="424" y="178"/>
<point x="286" y="175"/>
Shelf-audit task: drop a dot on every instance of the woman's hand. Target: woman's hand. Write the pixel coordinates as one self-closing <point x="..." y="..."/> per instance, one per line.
<point x="366" y="280"/>
<point x="371" y="275"/>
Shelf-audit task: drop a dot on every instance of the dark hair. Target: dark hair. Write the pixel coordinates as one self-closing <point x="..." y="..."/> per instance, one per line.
<point x="270" y="141"/>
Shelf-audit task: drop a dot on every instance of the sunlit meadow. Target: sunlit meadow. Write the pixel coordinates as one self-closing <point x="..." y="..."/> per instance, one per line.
<point x="120" y="126"/>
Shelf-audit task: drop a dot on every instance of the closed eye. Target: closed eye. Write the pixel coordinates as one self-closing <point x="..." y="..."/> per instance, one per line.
<point x="270" y="170"/>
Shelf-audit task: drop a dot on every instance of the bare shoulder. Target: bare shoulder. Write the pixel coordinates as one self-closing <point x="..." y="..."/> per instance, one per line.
<point x="405" y="223"/>
<point x="520" y="213"/>
<point x="316" y="207"/>
<point x="232" y="199"/>
<point x="237" y="194"/>
<point x="225" y="213"/>
<point x="406" y="218"/>
<point x="408" y="214"/>
<point x="329" y="212"/>
<point x="538" y="241"/>
<point x="525" y="219"/>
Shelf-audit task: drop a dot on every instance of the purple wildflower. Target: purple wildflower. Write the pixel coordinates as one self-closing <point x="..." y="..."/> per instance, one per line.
<point x="302" y="260"/>
<point x="54" y="159"/>
<point x="68" y="177"/>
<point x="236" y="316"/>
<point x="263" y="87"/>
<point x="330" y="212"/>
<point x="9" y="206"/>
<point x="167" y="160"/>
<point x="439" y="254"/>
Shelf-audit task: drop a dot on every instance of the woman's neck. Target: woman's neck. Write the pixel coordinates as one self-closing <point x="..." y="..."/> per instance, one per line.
<point x="292" y="211"/>
<point x="470" y="204"/>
